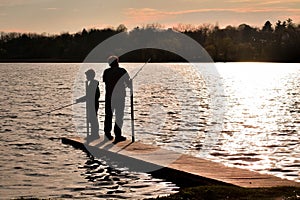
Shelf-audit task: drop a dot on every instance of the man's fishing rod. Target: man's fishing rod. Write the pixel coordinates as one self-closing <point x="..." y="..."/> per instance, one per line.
<point x="131" y="100"/>
<point x="140" y="69"/>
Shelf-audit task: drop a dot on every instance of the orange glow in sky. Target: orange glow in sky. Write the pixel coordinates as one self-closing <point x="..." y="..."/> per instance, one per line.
<point x="56" y="16"/>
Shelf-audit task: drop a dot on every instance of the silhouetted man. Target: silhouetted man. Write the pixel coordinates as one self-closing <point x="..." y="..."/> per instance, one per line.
<point x="92" y="103"/>
<point x="116" y="80"/>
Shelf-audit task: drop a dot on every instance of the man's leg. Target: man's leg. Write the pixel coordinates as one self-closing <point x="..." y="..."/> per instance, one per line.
<point x="108" y="118"/>
<point x="119" y="108"/>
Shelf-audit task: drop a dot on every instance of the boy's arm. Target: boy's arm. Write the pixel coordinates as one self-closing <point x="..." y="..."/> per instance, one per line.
<point x="81" y="99"/>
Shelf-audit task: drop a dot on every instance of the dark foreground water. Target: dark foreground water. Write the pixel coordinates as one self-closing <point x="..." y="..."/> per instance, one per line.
<point x="258" y="128"/>
<point x="34" y="162"/>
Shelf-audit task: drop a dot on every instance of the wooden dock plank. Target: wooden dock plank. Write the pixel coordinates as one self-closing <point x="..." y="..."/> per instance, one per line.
<point x="185" y="164"/>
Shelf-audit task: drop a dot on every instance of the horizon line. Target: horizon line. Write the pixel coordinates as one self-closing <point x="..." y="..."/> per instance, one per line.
<point x="155" y="24"/>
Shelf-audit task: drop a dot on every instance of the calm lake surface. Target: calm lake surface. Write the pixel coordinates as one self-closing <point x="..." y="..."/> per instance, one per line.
<point x="245" y="115"/>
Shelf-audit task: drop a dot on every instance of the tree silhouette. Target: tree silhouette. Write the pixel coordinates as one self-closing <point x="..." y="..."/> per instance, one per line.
<point x="267" y="27"/>
<point x="279" y="43"/>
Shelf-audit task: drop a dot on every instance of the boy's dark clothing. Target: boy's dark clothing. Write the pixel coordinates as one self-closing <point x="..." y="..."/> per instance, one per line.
<point x="92" y="98"/>
<point x="92" y="103"/>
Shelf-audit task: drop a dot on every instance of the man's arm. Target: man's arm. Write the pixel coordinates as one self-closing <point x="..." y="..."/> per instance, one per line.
<point x="127" y="80"/>
<point x="104" y="77"/>
<point x="97" y="92"/>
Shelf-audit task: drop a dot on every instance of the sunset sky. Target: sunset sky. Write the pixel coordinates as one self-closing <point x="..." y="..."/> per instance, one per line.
<point x="57" y="16"/>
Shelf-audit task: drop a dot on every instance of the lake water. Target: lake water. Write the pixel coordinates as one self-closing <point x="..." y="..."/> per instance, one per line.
<point x="247" y="115"/>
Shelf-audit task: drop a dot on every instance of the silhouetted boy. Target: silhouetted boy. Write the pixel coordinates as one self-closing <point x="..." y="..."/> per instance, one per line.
<point x="92" y="103"/>
<point x="116" y="80"/>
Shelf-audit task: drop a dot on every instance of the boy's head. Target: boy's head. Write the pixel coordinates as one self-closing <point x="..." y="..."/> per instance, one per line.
<point x="90" y="74"/>
<point x="113" y="61"/>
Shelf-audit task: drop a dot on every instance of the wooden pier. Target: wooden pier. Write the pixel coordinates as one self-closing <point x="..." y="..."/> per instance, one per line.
<point x="184" y="170"/>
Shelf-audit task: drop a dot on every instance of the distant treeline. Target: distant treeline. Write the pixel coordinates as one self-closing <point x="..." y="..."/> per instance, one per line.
<point x="272" y="43"/>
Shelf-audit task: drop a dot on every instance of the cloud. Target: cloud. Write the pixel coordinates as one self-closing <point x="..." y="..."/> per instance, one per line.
<point x="238" y="1"/>
<point x="14" y="2"/>
<point x="150" y="15"/>
<point x="146" y="13"/>
<point x="52" y="9"/>
<point x="266" y="2"/>
<point x="9" y="3"/>
<point x="259" y="3"/>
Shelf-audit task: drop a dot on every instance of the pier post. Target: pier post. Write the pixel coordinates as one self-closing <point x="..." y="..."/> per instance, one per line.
<point x="86" y="110"/>
<point x="132" y="111"/>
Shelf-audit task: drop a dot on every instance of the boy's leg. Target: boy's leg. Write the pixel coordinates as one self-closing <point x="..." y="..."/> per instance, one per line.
<point x="94" y="127"/>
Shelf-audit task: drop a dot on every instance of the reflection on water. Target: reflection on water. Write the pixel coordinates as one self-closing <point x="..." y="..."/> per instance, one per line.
<point x="261" y="127"/>
<point x="119" y="183"/>
<point x="173" y="108"/>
